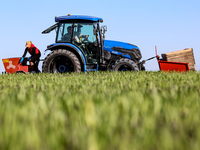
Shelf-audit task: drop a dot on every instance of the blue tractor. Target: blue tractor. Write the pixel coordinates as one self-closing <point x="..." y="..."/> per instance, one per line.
<point x="80" y="45"/>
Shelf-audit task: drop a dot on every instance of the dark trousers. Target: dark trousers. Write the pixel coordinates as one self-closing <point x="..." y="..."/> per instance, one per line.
<point x="35" y="59"/>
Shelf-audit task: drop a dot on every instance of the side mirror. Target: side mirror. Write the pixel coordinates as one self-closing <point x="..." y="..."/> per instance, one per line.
<point x="104" y="29"/>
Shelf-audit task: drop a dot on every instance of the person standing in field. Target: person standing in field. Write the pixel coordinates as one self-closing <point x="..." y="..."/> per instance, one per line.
<point x="35" y="56"/>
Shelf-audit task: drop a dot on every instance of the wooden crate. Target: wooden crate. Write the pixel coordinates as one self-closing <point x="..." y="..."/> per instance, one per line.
<point x="185" y="55"/>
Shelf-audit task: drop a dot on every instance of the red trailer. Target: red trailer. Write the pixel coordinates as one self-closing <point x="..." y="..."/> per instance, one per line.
<point x="172" y="66"/>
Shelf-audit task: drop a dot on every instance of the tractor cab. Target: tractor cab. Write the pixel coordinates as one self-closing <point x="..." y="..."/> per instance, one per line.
<point x="81" y="35"/>
<point x="81" y="31"/>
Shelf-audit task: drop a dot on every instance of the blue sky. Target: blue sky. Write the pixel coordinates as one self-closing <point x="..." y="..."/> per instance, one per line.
<point x="170" y="25"/>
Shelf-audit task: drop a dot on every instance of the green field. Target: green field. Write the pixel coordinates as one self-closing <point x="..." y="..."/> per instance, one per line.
<point x="100" y="111"/>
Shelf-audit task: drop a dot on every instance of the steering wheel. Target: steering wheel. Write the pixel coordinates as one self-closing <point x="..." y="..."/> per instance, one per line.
<point x="85" y="40"/>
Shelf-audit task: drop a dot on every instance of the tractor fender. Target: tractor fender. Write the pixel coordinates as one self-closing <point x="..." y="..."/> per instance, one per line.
<point x="69" y="47"/>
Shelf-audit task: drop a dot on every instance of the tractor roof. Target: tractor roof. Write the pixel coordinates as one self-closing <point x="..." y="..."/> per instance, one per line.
<point x="78" y="18"/>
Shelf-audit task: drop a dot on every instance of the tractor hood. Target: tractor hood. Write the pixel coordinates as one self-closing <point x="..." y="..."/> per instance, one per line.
<point x="111" y="45"/>
<point x="125" y="49"/>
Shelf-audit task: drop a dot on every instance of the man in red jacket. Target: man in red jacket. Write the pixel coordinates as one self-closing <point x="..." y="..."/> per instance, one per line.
<point x="35" y="56"/>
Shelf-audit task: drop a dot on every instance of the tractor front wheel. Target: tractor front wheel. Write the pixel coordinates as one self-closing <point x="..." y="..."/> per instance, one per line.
<point x="125" y="64"/>
<point x="61" y="61"/>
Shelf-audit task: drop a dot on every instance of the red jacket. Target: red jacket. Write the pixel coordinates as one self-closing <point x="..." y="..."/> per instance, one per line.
<point x="31" y="50"/>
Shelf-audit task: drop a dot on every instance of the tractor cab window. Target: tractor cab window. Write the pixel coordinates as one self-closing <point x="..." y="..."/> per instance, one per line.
<point x="84" y="33"/>
<point x="85" y="39"/>
<point x="64" y="32"/>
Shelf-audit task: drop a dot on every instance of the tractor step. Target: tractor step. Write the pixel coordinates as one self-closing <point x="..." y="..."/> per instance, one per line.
<point x="93" y="67"/>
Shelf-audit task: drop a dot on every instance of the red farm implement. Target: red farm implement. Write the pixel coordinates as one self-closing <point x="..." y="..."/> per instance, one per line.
<point x="12" y="65"/>
<point x="172" y="66"/>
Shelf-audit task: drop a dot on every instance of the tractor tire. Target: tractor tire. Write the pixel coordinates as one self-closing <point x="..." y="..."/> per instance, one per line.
<point x="125" y="64"/>
<point x="61" y="61"/>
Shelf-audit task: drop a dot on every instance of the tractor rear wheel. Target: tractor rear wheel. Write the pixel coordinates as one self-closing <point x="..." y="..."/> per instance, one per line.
<point x="125" y="64"/>
<point x="61" y="61"/>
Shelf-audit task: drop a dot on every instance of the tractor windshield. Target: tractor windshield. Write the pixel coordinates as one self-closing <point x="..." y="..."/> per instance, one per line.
<point x="81" y="32"/>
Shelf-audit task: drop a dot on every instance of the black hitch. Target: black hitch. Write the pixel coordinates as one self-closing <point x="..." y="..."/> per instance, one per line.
<point x="141" y="64"/>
